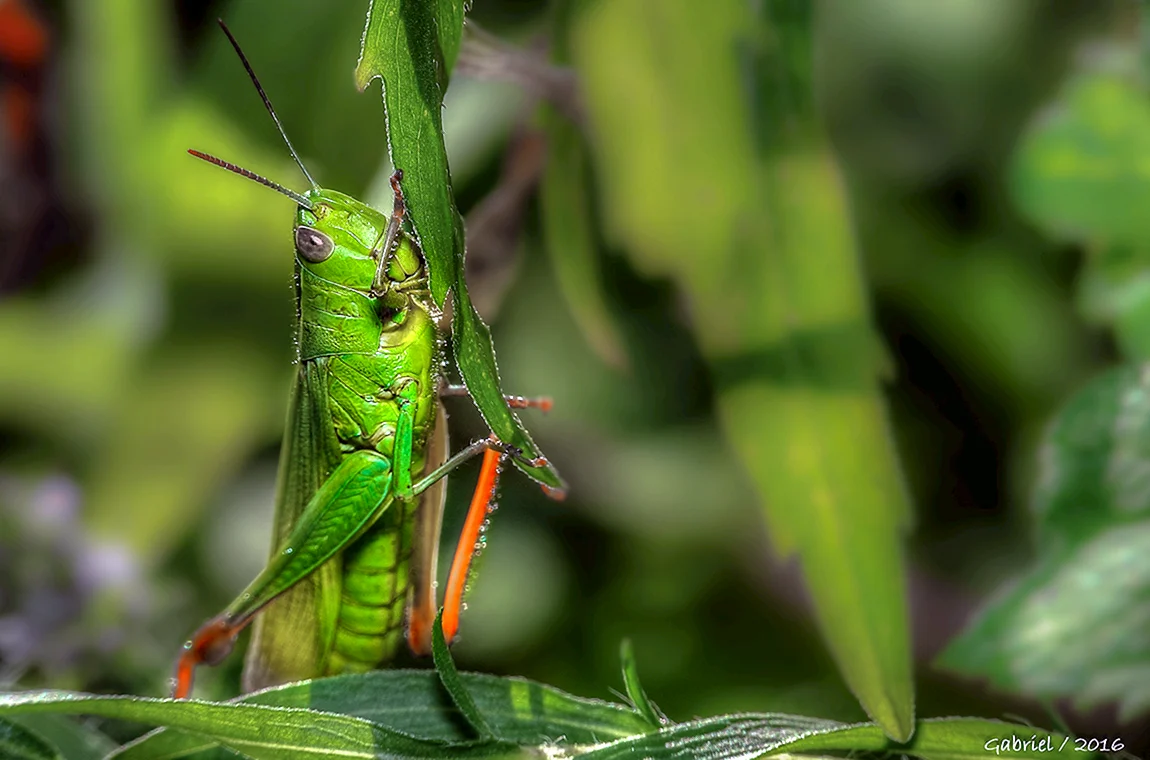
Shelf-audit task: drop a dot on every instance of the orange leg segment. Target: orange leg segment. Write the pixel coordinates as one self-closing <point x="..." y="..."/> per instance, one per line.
<point x="211" y="644"/>
<point x="468" y="540"/>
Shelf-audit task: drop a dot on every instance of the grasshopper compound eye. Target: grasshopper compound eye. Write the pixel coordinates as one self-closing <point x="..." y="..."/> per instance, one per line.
<point x="313" y="245"/>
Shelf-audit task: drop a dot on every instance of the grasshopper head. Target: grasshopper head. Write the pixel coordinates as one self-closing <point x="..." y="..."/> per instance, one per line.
<point x="334" y="238"/>
<point x="341" y="239"/>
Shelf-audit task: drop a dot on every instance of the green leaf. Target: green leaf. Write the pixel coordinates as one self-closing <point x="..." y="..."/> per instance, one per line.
<point x="750" y="735"/>
<point x="1082" y="172"/>
<point x="73" y="740"/>
<point x="19" y="743"/>
<point x="445" y="666"/>
<point x="415" y="703"/>
<point x="255" y="731"/>
<point x="476" y="359"/>
<point x="736" y="197"/>
<point x="1076" y="624"/>
<point x="1114" y="289"/>
<point x="287" y="732"/>
<point x="567" y="227"/>
<point x="635" y="691"/>
<point x="411" y="45"/>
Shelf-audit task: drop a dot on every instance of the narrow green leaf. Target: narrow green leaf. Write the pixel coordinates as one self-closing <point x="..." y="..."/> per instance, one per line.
<point x="568" y="227"/>
<point x="765" y="256"/>
<point x="635" y="691"/>
<point x="258" y="732"/>
<point x="1075" y="625"/>
<point x="413" y="702"/>
<point x="72" y="739"/>
<point x="19" y="743"/>
<point x="569" y="234"/>
<point x="751" y="735"/>
<point x="410" y="45"/>
<point x="445" y="666"/>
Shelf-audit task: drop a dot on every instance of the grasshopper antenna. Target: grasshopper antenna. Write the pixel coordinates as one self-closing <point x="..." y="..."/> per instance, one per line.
<point x="267" y="105"/>
<point x="252" y="175"/>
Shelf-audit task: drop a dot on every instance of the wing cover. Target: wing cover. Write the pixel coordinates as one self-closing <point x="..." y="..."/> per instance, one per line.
<point x="292" y="634"/>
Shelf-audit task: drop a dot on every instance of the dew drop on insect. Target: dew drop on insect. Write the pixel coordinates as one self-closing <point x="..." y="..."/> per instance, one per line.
<point x="466" y="590"/>
<point x="289" y="550"/>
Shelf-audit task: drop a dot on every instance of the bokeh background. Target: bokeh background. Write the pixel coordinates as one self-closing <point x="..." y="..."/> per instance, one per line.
<point x="146" y="321"/>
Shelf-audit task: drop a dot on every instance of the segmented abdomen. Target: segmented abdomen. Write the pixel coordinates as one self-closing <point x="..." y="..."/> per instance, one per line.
<point x="375" y="588"/>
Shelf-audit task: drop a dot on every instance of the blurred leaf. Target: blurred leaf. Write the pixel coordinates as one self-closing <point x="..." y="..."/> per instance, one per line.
<point x="73" y="740"/>
<point x="42" y="394"/>
<point x="1078" y="624"/>
<point x="182" y="427"/>
<point x="410" y="46"/>
<point x="569" y="235"/>
<point x="334" y="129"/>
<point x="476" y="359"/>
<point x="1093" y="460"/>
<point x="124" y="76"/>
<point x="1000" y="316"/>
<point x="1114" y="289"/>
<point x="568" y="225"/>
<point x="1082" y="171"/>
<point x="767" y="261"/>
<point x="19" y="743"/>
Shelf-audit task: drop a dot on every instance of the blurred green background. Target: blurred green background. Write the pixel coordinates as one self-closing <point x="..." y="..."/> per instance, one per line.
<point x="146" y="318"/>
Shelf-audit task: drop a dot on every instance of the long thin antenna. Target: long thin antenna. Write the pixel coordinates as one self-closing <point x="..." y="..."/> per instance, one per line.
<point x="252" y="175"/>
<point x="267" y="103"/>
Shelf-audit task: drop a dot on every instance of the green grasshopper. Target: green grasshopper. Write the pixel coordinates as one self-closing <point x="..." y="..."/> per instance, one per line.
<point x="361" y="481"/>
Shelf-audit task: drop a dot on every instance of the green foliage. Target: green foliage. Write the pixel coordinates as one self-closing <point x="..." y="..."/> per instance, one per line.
<point x="409" y="714"/>
<point x="1084" y="166"/>
<point x="764" y="253"/>
<point x="1078" y="174"/>
<point x="1075" y="624"/>
<point x="19" y="743"/>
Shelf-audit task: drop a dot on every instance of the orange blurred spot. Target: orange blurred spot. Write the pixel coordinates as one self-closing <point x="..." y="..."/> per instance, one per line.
<point x="23" y="38"/>
<point x="555" y="494"/>
<point x="19" y="116"/>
